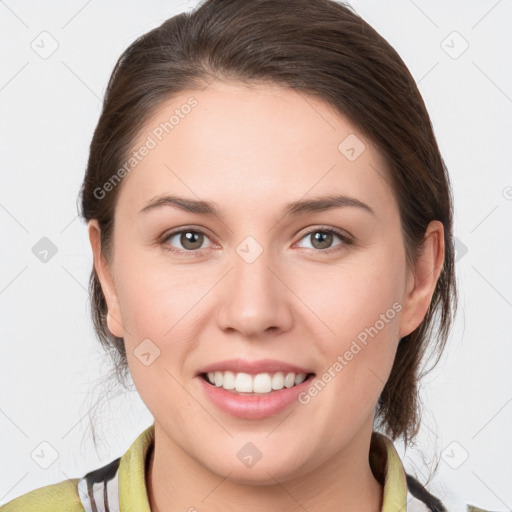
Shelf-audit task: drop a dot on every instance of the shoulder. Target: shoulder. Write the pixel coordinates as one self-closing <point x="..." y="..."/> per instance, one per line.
<point x="419" y="499"/>
<point x="413" y="496"/>
<point x="60" y="497"/>
<point x="100" y="486"/>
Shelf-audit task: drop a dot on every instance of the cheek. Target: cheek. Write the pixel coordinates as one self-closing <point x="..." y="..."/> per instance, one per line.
<point x="359" y="307"/>
<point x="156" y="299"/>
<point x="163" y="315"/>
<point x="351" y="298"/>
<point x="158" y="315"/>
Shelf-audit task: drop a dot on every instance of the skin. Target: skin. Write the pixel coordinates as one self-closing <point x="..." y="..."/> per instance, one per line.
<point x="251" y="150"/>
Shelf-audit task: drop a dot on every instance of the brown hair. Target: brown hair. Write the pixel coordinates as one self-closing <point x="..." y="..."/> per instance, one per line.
<point x="319" y="47"/>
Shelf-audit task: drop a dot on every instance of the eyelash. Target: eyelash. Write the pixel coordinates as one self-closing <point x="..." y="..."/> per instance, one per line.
<point x="323" y="229"/>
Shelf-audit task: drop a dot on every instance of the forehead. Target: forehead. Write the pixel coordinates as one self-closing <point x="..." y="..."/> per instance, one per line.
<point x="240" y="144"/>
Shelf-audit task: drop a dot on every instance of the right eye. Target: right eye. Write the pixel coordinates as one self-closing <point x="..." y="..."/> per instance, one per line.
<point x="190" y="239"/>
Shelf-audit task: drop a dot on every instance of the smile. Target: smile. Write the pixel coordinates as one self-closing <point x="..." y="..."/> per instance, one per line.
<point x="261" y="383"/>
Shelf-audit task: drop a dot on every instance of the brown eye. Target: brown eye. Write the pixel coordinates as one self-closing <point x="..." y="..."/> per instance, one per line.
<point x="186" y="240"/>
<point x="322" y="239"/>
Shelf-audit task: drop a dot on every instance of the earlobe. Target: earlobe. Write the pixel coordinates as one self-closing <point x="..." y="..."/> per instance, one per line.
<point x="422" y="280"/>
<point x="104" y="273"/>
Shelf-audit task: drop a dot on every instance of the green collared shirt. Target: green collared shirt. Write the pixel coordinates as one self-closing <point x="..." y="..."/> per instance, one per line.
<point x="120" y="486"/>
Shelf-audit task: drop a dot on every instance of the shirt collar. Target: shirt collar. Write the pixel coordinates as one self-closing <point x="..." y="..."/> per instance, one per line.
<point x="384" y="462"/>
<point x="389" y="471"/>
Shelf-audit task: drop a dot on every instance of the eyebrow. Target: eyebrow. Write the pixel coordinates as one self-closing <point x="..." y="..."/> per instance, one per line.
<point x="295" y="208"/>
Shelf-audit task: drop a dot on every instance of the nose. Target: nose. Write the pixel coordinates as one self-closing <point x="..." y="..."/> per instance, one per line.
<point x="255" y="300"/>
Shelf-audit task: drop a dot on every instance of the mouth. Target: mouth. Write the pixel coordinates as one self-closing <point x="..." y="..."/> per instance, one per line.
<point x="265" y="383"/>
<point x="254" y="389"/>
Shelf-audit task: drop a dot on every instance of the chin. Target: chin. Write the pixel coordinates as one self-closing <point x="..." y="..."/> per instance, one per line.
<point x="249" y="466"/>
<point x="267" y="475"/>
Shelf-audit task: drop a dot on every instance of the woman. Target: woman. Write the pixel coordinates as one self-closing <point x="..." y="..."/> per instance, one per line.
<point x="271" y="225"/>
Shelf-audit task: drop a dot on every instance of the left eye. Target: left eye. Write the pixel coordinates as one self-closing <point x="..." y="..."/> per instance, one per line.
<point x="322" y="238"/>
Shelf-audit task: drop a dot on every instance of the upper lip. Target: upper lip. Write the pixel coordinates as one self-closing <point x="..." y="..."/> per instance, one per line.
<point x="254" y="367"/>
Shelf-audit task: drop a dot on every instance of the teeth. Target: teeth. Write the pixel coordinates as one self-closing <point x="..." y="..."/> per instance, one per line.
<point x="243" y="383"/>
<point x="260" y="383"/>
<point x="277" y="381"/>
<point x="219" y="379"/>
<point x="289" y="380"/>
<point x="229" y="380"/>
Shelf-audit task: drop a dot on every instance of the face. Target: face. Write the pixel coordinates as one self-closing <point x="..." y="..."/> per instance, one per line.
<point x="258" y="287"/>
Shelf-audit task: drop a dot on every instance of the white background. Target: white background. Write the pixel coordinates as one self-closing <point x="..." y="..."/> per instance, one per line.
<point x="51" y="363"/>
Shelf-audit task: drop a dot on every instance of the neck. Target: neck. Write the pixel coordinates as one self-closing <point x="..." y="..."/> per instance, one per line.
<point x="176" y="481"/>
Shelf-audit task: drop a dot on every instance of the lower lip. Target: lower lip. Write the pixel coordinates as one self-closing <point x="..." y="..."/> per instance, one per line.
<point x="253" y="407"/>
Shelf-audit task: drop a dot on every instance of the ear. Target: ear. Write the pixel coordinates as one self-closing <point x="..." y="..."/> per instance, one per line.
<point x="105" y="275"/>
<point x="422" y="280"/>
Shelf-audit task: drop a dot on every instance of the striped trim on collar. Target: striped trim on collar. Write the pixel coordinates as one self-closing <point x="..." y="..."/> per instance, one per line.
<point x="99" y="489"/>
